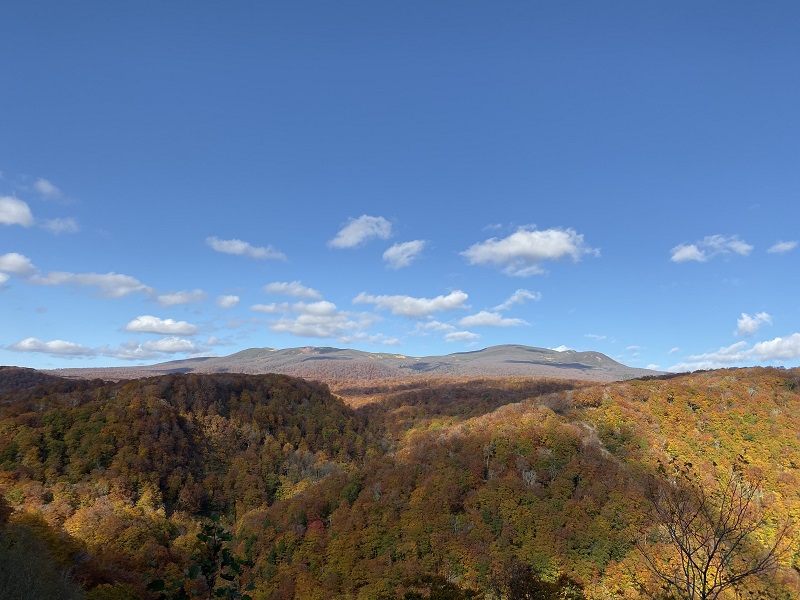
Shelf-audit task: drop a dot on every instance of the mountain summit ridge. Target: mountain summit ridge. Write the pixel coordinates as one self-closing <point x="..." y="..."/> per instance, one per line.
<point x="326" y="363"/>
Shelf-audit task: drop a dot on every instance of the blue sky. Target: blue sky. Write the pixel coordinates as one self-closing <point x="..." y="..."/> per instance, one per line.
<point x="420" y="178"/>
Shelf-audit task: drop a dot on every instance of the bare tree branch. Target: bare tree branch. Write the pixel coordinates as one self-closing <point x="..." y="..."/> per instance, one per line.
<point x="712" y="533"/>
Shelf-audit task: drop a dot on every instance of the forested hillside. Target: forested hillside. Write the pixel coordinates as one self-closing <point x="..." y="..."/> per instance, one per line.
<point x="449" y="488"/>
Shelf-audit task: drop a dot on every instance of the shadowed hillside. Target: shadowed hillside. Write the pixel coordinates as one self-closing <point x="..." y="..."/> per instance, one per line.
<point x="17" y="379"/>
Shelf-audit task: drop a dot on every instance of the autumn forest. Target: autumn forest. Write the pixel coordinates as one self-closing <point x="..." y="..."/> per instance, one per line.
<point x="272" y="487"/>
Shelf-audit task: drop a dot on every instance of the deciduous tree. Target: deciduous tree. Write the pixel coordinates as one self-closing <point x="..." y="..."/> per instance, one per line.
<point x="717" y="533"/>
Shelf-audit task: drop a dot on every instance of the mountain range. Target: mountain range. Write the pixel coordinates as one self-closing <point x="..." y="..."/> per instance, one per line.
<point x="327" y="364"/>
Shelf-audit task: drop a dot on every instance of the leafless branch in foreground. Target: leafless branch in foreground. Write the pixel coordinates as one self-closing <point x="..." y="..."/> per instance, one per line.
<point x="712" y="531"/>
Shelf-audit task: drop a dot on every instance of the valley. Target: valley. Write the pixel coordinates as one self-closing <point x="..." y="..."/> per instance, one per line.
<point x="450" y="487"/>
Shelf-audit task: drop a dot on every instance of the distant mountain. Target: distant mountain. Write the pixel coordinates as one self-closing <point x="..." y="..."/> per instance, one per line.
<point x="336" y="364"/>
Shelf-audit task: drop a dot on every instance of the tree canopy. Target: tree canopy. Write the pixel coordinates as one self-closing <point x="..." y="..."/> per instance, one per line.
<point x="450" y="488"/>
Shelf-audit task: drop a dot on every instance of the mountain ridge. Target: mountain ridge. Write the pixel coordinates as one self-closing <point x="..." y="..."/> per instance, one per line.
<point x="329" y="363"/>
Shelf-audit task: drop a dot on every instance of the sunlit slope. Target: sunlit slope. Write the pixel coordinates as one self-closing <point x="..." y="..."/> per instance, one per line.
<point x="459" y="484"/>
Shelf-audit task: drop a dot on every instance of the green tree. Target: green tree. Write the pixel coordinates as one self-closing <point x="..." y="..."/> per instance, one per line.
<point x="214" y="565"/>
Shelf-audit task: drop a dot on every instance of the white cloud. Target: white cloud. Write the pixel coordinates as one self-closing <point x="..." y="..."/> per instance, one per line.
<point x="150" y="324"/>
<point x="3" y="278"/>
<point x="129" y="351"/>
<point x="183" y="297"/>
<point x="723" y="245"/>
<point x="653" y="367"/>
<point x="709" y="247"/>
<point x="402" y="255"/>
<point x="227" y="301"/>
<point x="779" y="348"/>
<point x="409" y="306"/>
<point x="722" y="358"/>
<point x="461" y="336"/>
<point x="53" y="347"/>
<point x="322" y="320"/>
<point x="451" y="333"/>
<point x="321" y="308"/>
<point x="433" y="325"/>
<point x="731" y="353"/>
<point x="782" y="247"/>
<point x="292" y="288"/>
<point x="377" y="338"/>
<point x="111" y="285"/>
<point x="523" y="251"/>
<point x="240" y="248"/>
<point x="153" y="350"/>
<point x="16" y="264"/>
<point x="490" y="319"/>
<point x="169" y="345"/>
<point x="15" y="212"/>
<point x="65" y="225"/>
<point x="674" y="350"/>
<point x="747" y="325"/>
<point x="683" y="252"/>
<point x="271" y="309"/>
<point x="594" y="336"/>
<point x="47" y="189"/>
<point x="633" y="348"/>
<point x="775" y="350"/>
<point x="518" y="297"/>
<point x="357" y="231"/>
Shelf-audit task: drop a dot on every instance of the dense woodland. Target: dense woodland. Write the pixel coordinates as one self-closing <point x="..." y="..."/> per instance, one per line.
<point x="273" y="487"/>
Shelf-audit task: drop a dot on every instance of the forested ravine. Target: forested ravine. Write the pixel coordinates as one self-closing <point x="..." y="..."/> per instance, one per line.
<point x="273" y="487"/>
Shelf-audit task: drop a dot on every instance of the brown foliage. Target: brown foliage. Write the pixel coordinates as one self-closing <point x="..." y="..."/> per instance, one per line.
<point x="445" y="481"/>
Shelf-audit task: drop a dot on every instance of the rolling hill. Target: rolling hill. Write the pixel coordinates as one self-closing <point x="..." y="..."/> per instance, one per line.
<point x="437" y="488"/>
